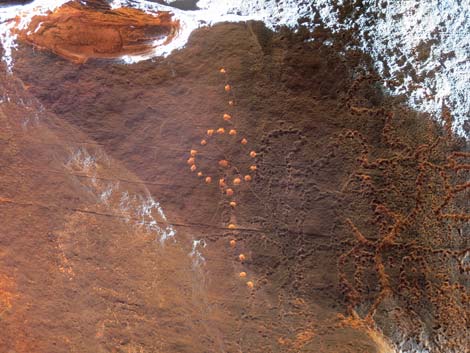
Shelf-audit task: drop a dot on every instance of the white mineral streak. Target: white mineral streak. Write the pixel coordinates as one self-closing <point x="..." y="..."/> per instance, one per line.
<point x="137" y="208"/>
<point x="20" y="16"/>
<point x="393" y="40"/>
<point x="423" y="47"/>
<point x="196" y="255"/>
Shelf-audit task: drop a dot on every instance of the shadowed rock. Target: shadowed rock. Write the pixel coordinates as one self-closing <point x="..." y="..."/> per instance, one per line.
<point x="14" y="2"/>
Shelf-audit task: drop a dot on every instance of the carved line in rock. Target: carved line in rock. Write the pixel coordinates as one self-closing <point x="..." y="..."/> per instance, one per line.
<point x="142" y="210"/>
<point x="435" y="173"/>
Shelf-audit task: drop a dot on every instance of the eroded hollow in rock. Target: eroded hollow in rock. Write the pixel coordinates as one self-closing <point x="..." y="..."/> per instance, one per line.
<point x="77" y="32"/>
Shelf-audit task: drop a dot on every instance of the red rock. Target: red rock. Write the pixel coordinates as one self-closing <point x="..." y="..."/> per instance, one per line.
<point x="78" y="33"/>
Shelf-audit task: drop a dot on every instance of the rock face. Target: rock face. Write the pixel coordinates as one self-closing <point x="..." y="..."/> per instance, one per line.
<point x="351" y="225"/>
<point x="78" y="31"/>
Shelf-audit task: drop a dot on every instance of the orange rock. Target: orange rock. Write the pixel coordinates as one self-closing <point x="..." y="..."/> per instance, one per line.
<point x="241" y="257"/>
<point x="233" y="243"/>
<point x="223" y="163"/>
<point x="222" y="71"/>
<point x="233" y="204"/>
<point x="222" y="183"/>
<point x="208" y="180"/>
<point x="242" y="274"/>
<point x="193" y="168"/>
<point x="210" y="132"/>
<point x="253" y="168"/>
<point x="221" y="130"/>
<point x="191" y="161"/>
<point x="227" y="117"/>
<point x="232" y="132"/>
<point x="203" y="142"/>
<point x="231" y="226"/>
<point x="244" y="141"/>
<point x="199" y="174"/>
<point x="227" y="88"/>
<point x="237" y="181"/>
<point x="252" y="154"/>
<point x="250" y="284"/>
<point x="7" y="292"/>
<point x="230" y="103"/>
<point x="229" y="192"/>
<point x="77" y="32"/>
<point x="193" y="153"/>
<point x="247" y="178"/>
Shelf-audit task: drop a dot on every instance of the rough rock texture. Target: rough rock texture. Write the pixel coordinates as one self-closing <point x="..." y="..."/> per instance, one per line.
<point x="81" y="31"/>
<point x="81" y="272"/>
